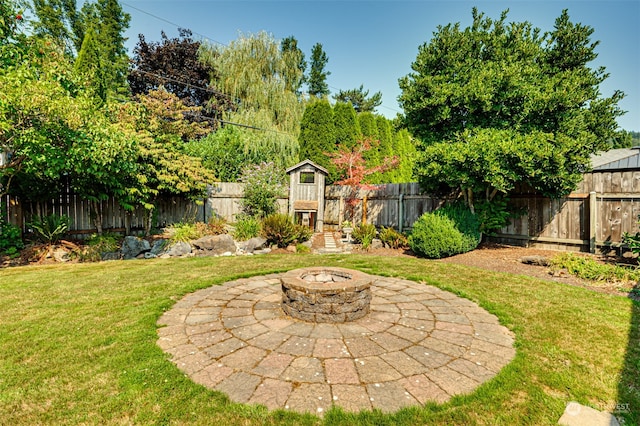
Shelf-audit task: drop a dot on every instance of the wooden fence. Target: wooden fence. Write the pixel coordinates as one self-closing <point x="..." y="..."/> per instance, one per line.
<point x="596" y="215"/>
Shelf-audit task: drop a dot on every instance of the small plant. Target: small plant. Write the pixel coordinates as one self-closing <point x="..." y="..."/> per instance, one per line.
<point x="364" y="234"/>
<point x="51" y="228"/>
<point x="392" y="238"/>
<point x="589" y="269"/>
<point x="280" y="230"/>
<point x="346" y="224"/>
<point x="301" y="248"/>
<point x="216" y="226"/>
<point x="10" y="238"/>
<point x="184" y="232"/>
<point x="98" y="245"/>
<point x="246" y="227"/>
<point x="632" y="241"/>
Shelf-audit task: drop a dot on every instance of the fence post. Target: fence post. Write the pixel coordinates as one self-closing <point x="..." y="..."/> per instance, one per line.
<point x="400" y="212"/>
<point x="593" y="217"/>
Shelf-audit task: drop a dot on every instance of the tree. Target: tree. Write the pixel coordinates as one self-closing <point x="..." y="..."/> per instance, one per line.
<point x="317" y="135"/>
<point x="173" y="65"/>
<point x="497" y="104"/>
<point x="157" y="121"/>
<point x="252" y="70"/>
<point x="317" y="80"/>
<point x="346" y="124"/>
<point x="369" y="130"/>
<point x="353" y="167"/>
<point x="61" y="21"/>
<point x="291" y="51"/>
<point x="359" y="99"/>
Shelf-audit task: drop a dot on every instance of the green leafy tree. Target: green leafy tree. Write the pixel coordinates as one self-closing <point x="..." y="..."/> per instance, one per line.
<point x="317" y="80"/>
<point x="499" y="103"/>
<point x="222" y="152"/>
<point x="263" y="184"/>
<point x="255" y="72"/>
<point x="317" y="135"/>
<point x="157" y="121"/>
<point x="60" y="20"/>
<point x="346" y="124"/>
<point x="360" y="99"/>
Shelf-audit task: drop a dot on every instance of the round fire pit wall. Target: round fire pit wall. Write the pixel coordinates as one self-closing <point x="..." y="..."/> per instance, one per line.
<point x="326" y="294"/>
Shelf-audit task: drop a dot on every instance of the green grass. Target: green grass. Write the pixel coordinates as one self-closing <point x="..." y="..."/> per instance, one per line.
<point x="78" y="345"/>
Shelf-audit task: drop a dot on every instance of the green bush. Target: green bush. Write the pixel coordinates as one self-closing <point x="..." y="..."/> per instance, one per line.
<point x="392" y="238"/>
<point x="97" y="245"/>
<point x="263" y="185"/>
<point x="51" y="228"/>
<point x="10" y="237"/>
<point x="246" y="227"/>
<point x="450" y="230"/>
<point x="280" y="230"/>
<point x="364" y="234"/>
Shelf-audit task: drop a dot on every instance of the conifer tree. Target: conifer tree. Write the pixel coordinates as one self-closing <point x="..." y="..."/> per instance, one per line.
<point x="346" y="122"/>
<point x="317" y="80"/>
<point x="317" y="135"/>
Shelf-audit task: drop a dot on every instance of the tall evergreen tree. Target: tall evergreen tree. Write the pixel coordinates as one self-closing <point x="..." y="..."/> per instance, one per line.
<point x="60" y="20"/>
<point x="386" y="147"/>
<point x="292" y="53"/>
<point x="360" y="99"/>
<point x="317" y="80"/>
<point x="317" y="135"/>
<point x="369" y="131"/>
<point x="347" y="128"/>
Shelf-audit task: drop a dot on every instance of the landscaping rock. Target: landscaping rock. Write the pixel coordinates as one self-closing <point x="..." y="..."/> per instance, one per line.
<point x="215" y="245"/>
<point x="256" y="243"/>
<point x="376" y="244"/>
<point x="112" y="255"/>
<point x="134" y="246"/>
<point x="178" y="249"/>
<point x="158" y="246"/>
<point x="535" y="260"/>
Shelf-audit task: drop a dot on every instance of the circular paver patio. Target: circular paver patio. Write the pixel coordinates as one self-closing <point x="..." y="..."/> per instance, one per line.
<point x="417" y="344"/>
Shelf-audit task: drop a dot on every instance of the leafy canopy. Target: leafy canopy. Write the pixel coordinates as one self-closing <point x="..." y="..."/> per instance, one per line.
<point x="497" y="104"/>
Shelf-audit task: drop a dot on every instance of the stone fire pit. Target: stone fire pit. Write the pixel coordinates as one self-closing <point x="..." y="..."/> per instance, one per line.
<point x="323" y="294"/>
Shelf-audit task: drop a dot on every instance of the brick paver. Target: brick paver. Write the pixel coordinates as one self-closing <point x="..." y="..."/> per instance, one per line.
<point x="418" y="344"/>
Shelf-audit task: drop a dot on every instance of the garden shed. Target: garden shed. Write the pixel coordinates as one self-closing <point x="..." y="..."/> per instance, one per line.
<point x="306" y="194"/>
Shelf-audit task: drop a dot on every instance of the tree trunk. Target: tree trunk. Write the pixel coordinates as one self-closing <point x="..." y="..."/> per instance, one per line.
<point x="96" y="212"/>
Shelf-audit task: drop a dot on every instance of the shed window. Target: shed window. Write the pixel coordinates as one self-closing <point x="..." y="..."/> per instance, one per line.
<point x="307" y="177"/>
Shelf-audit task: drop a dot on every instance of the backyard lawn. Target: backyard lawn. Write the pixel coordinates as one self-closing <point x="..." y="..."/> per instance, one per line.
<point x="78" y="345"/>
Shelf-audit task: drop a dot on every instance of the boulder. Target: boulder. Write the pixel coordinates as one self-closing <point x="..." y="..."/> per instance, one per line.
<point x="134" y="246"/>
<point x="376" y="244"/>
<point x="535" y="260"/>
<point x="255" y="243"/>
<point x="178" y="249"/>
<point x="158" y="246"/>
<point x="215" y="245"/>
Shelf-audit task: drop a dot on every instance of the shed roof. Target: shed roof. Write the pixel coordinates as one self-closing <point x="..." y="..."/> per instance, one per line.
<point x="307" y="162"/>
<point x="616" y="159"/>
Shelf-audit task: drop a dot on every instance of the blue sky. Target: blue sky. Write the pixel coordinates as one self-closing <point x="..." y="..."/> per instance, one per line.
<point x="374" y="42"/>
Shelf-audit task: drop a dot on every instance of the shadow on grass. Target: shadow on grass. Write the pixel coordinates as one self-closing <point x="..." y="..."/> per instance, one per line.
<point x="628" y="408"/>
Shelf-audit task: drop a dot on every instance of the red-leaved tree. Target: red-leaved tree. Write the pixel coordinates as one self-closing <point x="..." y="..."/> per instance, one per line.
<point x="351" y="164"/>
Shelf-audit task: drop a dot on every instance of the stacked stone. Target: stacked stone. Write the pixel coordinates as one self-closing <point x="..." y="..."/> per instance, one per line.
<point x="326" y="295"/>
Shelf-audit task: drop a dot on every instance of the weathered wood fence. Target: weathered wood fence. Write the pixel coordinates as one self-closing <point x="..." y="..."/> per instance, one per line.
<point x="596" y="215"/>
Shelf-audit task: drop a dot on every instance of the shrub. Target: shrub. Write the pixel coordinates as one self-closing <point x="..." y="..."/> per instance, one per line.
<point x="246" y="227"/>
<point x="392" y="238"/>
<point x="216" y="226"/>
<point x="364" y="234"/>
<point x="280" y="230"/>
<point x="98" y="245"/>
<point x="453" y="229"/>
<point x="10" y="237"/>
<point x="184" y="232"/>
<point x="50" y="228"/>
<point x="632" y="241"/>
<point x="263" y="184"/>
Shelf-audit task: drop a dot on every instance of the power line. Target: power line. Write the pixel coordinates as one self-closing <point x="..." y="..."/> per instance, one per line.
<point x="221" y="44"/>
